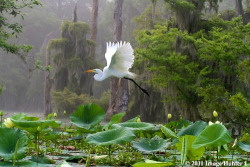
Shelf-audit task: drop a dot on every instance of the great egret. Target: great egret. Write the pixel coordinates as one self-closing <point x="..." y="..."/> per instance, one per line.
<point x="120" y="58"/>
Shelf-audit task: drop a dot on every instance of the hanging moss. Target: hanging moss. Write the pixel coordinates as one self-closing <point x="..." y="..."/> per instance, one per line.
<point x="56" y="58"/>
<point x="78" y="29"/>
<point x="91" y="43"/>
<point x="57" y="43"/>
<point x="70" y="58"/>
<point x="73" y="62"/>
<point x="73" y="86"/>
<point x="64" y="27"/>
<point x="91" y="63"/>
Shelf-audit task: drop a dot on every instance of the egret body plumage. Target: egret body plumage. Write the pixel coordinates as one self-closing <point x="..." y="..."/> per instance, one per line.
<point x="120" y="58"/>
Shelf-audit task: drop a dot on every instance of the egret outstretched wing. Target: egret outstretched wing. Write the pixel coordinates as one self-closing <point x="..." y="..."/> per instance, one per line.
<point x="119" y="56"/>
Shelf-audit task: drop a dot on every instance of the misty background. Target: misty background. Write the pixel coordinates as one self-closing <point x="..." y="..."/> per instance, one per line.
<point x="24" y="84"/>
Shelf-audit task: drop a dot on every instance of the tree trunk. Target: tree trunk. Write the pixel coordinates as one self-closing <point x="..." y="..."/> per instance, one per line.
<point x="118" y="87"/>
<point x="238" y="8"/>
<point x="153" y="13"/>
<point x="93" y="32"/>
<point x="75" y="14"/>
<point x="59" y="9"/>
<point x="47" y="87"/>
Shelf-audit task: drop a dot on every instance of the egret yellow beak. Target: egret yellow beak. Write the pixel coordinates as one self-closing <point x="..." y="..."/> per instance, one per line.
<point x="89" y="71"/>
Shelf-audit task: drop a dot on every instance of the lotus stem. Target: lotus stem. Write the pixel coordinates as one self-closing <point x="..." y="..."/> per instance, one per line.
<point x="1" y="121"/>
<point x="233" y="156"/>
<point x="15" y="154"/>
<point x="37" y="147"/>
<point x="217" y="154"/>
<point x="109" y="154"/>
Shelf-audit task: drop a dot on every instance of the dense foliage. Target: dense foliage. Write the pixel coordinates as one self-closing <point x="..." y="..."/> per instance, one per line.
<point x="10" y="8"/>
<point x="205" y="69"/>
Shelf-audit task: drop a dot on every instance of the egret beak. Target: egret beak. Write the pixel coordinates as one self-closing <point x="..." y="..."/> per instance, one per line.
<point x="89" y="71"/>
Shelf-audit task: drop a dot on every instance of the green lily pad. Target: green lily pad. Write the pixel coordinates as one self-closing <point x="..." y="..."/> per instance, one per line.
<point x="134" y="119"/>
<point x="88" y="115"/>
<point x="193" y="129"/>
<point x="168" y="132"/>
<point x="115" y="136"/>
<point x="52" y="135"/>
<point x="245" y="146"/>
<point x="19" y="116"/>
<point x="191" y="153"/>
<point x="43" y="160"/>
<point x="23" y="164"/>
<point x="151" y="145"/>
<point x="115" y="119"/>
<point x="34" y="124"/>
<point x="212" y="136"/>
<point x="135" y="125"/>
<point x="10" y="139"/>
<point x="223" y="150"/>
<point x="151" y="163"/>
<point x="31" y="126"/>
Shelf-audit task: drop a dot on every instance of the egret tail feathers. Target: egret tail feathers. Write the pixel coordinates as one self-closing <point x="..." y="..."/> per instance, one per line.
<point x="131" y="75"/>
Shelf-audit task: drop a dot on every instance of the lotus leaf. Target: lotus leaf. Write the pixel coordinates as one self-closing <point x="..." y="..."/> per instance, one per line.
<point x="114" y="136"/>
<point x="178" y="124"/>
<point x="151" y="145"/>
<point x="212" y="136"/>
<point x="88" y="115"/>
<point x="191" y="153"/>
<point x="245" y="146"/>
<point x="22" y="164"/>
<point x="168" y="132"/>
<point x="193" y="129"/>
<point x="134" y="119"/>
<point x="223" y="150"/>
<point x="9" y="140"/>
<point x="43" y="160"/>
<point x="117" y="118"/>
<point x="31" y="126"/>
<point x="19" y="116"/>
<point x="151" y="163"/>
<point x="135" y="125"/>
<point x="52" y="135"/>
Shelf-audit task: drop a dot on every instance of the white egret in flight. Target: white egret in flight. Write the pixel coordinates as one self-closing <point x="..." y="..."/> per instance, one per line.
<point x="120" y="58"/>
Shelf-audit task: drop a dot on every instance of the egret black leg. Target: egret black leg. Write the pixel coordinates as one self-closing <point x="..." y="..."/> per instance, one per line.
<point x="144" y="90"/>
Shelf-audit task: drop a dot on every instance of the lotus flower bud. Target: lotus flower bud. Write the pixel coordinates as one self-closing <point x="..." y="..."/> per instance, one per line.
<point x="215" y="114"/>
<point x="1" y="113"/>
<point x="210" y="123"/>
<point x="64" y="112"/>
<point x="169" y="116"/>
<point x="38" y="128"/>
<point x="8" y="123"/>
<point x="235" y="142"/>
<point x="55" y="115"/>
<point x="218" y="122"/>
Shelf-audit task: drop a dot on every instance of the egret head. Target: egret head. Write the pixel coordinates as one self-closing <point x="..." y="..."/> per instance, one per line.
<point x="98" y="73"/>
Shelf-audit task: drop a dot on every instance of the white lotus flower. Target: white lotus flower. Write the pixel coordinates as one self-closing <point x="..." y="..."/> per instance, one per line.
<point x="8" y="123"/>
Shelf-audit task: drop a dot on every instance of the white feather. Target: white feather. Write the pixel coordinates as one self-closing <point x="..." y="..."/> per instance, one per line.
<point x="120" y="58"/>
